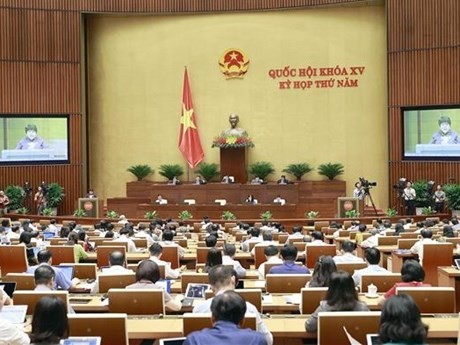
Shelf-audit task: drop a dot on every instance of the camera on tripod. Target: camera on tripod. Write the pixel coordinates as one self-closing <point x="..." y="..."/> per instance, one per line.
<point x="400" y="186"/>
<point x="366" y="185"/>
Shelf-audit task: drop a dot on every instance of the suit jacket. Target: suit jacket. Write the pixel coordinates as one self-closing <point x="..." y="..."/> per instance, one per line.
<point x="225" y="333"/>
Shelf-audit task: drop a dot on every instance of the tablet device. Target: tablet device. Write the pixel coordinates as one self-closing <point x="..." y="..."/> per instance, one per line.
<point x="81" y="341"/>
<point x="8" y="288"/>
<point x="197" y="291"/>
<point x="172" y="341"/>
<point x="457" y="263"/>
<point x="373" y="339"/>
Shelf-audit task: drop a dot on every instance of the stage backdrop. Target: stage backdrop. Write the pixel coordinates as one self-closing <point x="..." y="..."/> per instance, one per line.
<point x="334" y="112"/>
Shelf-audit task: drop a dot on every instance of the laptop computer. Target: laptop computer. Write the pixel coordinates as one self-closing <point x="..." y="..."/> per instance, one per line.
<point x="68" y="271"/>
<point x="47" y="235"/>
<point x="15" y="314"/>
<point x="172" y="341"/>
<point x="8" y="288"/>
<point x="81" y="341"/>
<point x="195" y="291"/>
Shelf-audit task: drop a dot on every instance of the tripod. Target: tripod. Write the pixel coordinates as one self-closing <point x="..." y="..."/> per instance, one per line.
<point x="368" y="193"/>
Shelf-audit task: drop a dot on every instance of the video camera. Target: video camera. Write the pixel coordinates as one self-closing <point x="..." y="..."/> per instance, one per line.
<point x="400" y="186"/>
<point x="366" y="184"/>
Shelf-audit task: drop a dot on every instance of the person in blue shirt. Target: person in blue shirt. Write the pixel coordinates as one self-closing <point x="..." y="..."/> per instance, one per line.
<point x="228" y="310"/>
<point x="289" y="255"/>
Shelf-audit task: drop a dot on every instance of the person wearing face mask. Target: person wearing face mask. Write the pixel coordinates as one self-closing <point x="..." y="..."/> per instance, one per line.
<point x="445" y="135"/>
<point x="31" y="141"/>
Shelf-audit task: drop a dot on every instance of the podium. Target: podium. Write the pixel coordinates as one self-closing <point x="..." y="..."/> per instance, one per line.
<point x="345" y="204"/>
<point x="92" y="206"/>
<point x="233" y="162"/>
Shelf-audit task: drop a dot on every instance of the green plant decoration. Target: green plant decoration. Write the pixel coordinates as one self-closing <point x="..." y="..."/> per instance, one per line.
<point x="298" y="170"/>
<point x="391" y="212"/>
<point x="452" y="196"/>
<point x="422" y="196"/>
<point x="311" y="214"/>
<point x="170" y="170"/>
<point x="54" y="195"/>
<point x="48" y="211"/>
<point x="22" y="210"/>
<point x="227" y="215"/>
<point x="79" y="213"/>
<point x="427" y="211"/>
<point x="208" y="170"/>
<point x="331" y="170"/>
<point x="151" y="215"/>
<point x="17" y="195"/>
<point x="352" y="214"/>
<point x="261" y="169"/>
<point x="185" y="215"/>
<point x="267" y="215"/>
<point x="141" y="171"/>
<point x="112" y="214"/>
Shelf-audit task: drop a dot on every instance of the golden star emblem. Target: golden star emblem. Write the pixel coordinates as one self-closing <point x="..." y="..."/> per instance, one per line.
<point x="186" y="118"/>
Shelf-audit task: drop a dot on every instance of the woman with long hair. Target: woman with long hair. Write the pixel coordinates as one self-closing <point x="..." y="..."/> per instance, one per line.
<point x="214" y="258"/>
<point x="341" y="296"/>
<point x="49" y="322"/>
<point x="322" y="272"/>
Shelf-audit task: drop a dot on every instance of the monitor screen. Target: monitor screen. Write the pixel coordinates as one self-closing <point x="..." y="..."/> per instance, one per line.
<point x="431" y="133"/>
<point x="34" y="139"/>
<point x="67" y="271"/>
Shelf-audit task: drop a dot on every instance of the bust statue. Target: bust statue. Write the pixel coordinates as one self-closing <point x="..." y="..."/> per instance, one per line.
<point x="234" y="130"/>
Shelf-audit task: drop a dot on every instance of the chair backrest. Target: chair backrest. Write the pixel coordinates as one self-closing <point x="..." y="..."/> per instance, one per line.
<point x="314" y="252"/>
<point x="84" y="271"/>
<point x="103" y="253"/>
<point x="409" y="234"/>
<point x="201" y="255"/>
<point x="259" y="256"/>
<point x="350" y="267"/>
<point x="383" y="282"/>
<point x="111" y="328"/>
<point x="321" y="224"/>
<point x="109" y="281"/>
<point x="282" y="238"/>
<point x="181" y="242"/>
<point x="162" y="268"/>
<point x="406" y="243"/>
<point x="31" y="297"/>
<point x="111" y="243"/>
<point x="253" y="296"/>
<point x="387" y="240"/>
<point x="137" y="301"/>
<point x="357" y="323"/>
<point x="13" y="259"/>
<point x="57" y="241"/>
<point x="196" y="322"/>
<point x="139" y="242"/>
<point x="431" y="299"/>
<point x="62" y="254"/>
<point x="435" y="255"/>
<point x="286" y="283"/>
<point x="310" y="298"/>
<point x="24" y="281"/>
<point x="187" y="278"/>
<point x="171" y="254"/>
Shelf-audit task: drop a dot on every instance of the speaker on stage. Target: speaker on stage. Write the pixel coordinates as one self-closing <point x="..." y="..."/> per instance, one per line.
<point x="92" y="206"/>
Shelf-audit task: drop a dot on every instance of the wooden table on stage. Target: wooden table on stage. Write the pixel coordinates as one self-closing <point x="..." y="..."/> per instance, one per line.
<point x="450" y="277"/>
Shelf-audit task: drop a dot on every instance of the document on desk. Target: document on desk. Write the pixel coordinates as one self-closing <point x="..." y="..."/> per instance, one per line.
<point x="15" y="314"/>
<point x="267" y="299"/>
<point x="259" y="284"/>
<point x="295" y="298"/>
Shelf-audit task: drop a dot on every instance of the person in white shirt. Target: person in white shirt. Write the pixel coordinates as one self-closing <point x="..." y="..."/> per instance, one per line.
<point x="272" y="255"/>
<point x="142" y="233"/>
<point x="409" y="196"/>
<point x="417" y="248"/>
<point x="254" y="236"/>
<point x="348" y="255"/>
<point x="9" y="333"/>
<point x="52" y="227"/>
<point x="455" y="224"/>
<point x="297" y="232"/>
<point x="408" y="224"/>
<point x="267" y="238"/>
<point x="117" y="262"/>
<point x="371" y="241"/>
<point x="168" y="237"/>
<point x="124" y="238"/>
<point x="228" y="259"/>
<point x="372" y="256"/>
<point x="221" y="279"/>
<point x="123" y="219"/>
<point x="156" y="251"/>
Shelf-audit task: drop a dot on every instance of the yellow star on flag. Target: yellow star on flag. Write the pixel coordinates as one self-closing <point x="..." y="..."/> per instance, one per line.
<point x="186" y="118"/>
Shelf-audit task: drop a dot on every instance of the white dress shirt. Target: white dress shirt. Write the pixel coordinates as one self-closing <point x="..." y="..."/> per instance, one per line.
<point x="240" y="270"/>
<point x="169" y="272"/>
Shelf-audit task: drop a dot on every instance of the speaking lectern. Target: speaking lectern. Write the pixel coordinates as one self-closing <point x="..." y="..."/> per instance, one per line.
<point x="233" y="162"/>
<point x="92" y="206"/>
<point x="345" y="204"/>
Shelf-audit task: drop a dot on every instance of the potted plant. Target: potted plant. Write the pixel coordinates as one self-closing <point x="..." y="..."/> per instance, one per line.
<point x="298" y="170"/>
<point x="170" y="171"/>
<point x="227" y="215"/>
<point x="331" y="170"/>
<point x="261" y="169"/>
<point x="267" y="215"/>
<point x="79" y="213"/>
<point x="208" y="171"/>
<point x="352" y="214"/>
<point x="17" y="195"/>
<point x="453" y="197"/>
<point x="391" y="212"/>
<point x="112" y="214"/>
<point x="49" y="212"/>
<point x="141" y="171"/>
<point x="151" y="215"/>
<point x="427" y="211"/>
<point x="422" y="196"/>
<point x="311" y="214"/>
<point x="185" y="215"/>
<point x="22" y="210"/>
<point x="54" y="196"/>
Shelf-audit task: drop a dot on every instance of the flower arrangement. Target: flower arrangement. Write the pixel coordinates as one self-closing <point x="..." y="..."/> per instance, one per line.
<point x="232" y="141"/>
